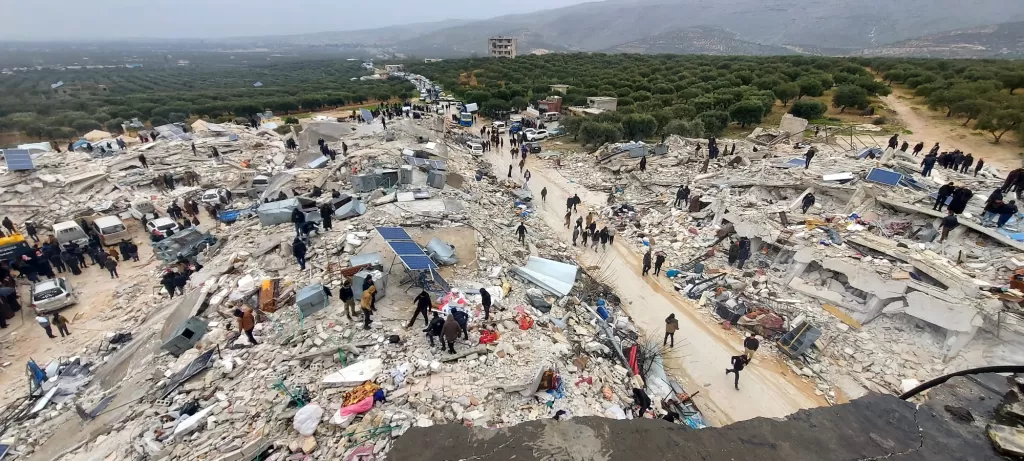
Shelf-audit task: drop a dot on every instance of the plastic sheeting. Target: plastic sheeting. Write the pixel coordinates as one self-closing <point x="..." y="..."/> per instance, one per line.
<point x="552" y="276"/>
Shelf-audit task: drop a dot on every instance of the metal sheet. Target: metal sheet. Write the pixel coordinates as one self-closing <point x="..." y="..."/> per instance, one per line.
<point x="393" y="233"/>
<point x="367" y="115"/>
<point x="353" y="208"/>
<point x="883" y="176"/>
<point x="172" y="132"/>
<point x="441" y="252"/>
<point x="18" y="159"/>
<point x="198" y="364"/>
<point x="369" y="258"/>
<point x="554" y="276"/>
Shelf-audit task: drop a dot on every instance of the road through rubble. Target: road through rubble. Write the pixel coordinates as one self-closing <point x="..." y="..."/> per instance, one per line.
<point x="702" y="354"/>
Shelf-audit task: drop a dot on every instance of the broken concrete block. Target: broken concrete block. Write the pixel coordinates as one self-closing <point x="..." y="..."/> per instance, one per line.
<point x="1006" y="439"/>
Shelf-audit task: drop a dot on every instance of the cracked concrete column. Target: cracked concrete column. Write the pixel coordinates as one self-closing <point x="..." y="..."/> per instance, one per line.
<point x="801" y="259"/>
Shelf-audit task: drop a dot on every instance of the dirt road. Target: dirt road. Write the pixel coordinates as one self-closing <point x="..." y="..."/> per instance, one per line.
<point x="702" y="349"/>
<point x="1004" y="155"/>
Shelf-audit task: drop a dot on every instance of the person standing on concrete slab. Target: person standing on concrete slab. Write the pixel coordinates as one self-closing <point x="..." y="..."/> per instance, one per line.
<point x="521" y="232"/>
<point x="750" y="346"/>
<point x="944" y="193"/>
<point x="61" y="323"/>
<point x="485" y="300"/>
<point x="298" y="218"/>
<point x="30" y="229"/>
<point x="927" y="163"/>
<point x="808" y="202"/>
<point x="326" y="211"/>
<point x="348" y="298"/>
<point x="299" y="251"/>
<point x="1006" y="212"/>
<point x="647" y="262"/>
<point x="949" y="223"/>
<point x="682" y="194"/>
<point x="966" y="163"/>
<point x="246" y="323"/>
<point x="45" y="323"/>
<point x="918" y="148"/>
<point x="977" y="168"/>
<point x="808" y="156"/>
<point x="934" y="149"/>
<point x="904" y="146"/>
<point x="671" y="325"/>
<point x="423" y="305"/>
<point x="142" y="158"/>
<point x="450" y="330"/>
<point x="738" y="362"/>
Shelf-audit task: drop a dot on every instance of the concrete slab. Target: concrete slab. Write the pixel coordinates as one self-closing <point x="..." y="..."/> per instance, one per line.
<point x="989" y="232"/>
<point x="951" y="316"/>
<point x="866" y="279"/>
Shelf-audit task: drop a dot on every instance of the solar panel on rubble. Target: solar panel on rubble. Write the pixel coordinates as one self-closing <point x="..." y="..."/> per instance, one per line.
<point x="393" y="233"/>
<point x="881" y="176"/>
<point x="18" y="159"/>
<point x="417" y="263"/>
<point x="402" y="247"/>
<point x="433" y="164"/>
<point x="796" y="162"/>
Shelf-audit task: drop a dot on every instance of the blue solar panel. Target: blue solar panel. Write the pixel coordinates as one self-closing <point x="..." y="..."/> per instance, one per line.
<point x="393" y="233"/>
<point x="417" y="263"/>
<point x="18" y="159"/>
<point x="406" y="248"/>
<point x="881" y="176"/>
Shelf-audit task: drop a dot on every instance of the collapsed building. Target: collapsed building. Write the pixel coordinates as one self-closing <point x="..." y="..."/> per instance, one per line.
<point x="179" y="381"/>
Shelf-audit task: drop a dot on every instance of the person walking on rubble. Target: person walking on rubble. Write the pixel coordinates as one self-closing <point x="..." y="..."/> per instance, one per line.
<point x="9" y="225"/>
<point x="947" y="224"/>
<point x="807" y="202"/>
<point x="544" y="194"/>
<point x="604" y="238"/>
<point x="744" y="252"/>
<point x="682" y="194"/>
<point x="647" y="262"/>
<point x="643" y="164"/>
<point x="750" y="346"/>
<point x="576" y="235"/>
<point x="451" y="330"/>
<point x="943" y="194"/>
<point x="298" y="218"/>
<point x="521" y="232"/>
<point x="366" y="304"/>
<point x="510" y="171"/>
<point x="246" y="323"/>
<point x="1006" y="212"/>
<point x="738" y="362"/>
<point x="485" y="301"/>
<point x="904" y="146"/>
<point x="434" y="328"/>
<point x="808" y="156"/>
<point x="927" y="163"/>
<point x="423" y="306"/>
<point x="142" y="160"/>
<point x="299" y="251"/>
<point x="671" y="326"/>
<point x="918" y="148"/>
<point x="326" y="211"/>
<point x="659" y="260"/>
<point x="347" y="297"/>
<point x="966" y="163"/>
<point x="977" y="168"/>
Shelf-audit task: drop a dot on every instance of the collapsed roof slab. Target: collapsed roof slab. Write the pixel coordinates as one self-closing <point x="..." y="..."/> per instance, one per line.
<point x="991" y="233"/>
<point x="865" y="279"/>
<point x="958" y="284"/>
<point x="951" y="316"/>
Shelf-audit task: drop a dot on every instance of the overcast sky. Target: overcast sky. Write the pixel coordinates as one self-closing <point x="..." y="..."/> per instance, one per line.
<point x="111" y="19"/>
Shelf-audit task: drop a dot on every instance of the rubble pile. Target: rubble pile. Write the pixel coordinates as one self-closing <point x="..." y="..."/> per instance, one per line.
<point x="863" y="268"/>
<point x="304" y="388"/>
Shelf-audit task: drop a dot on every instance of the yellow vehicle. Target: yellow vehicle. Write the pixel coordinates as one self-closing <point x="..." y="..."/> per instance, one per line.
<point x="13" y="247"/>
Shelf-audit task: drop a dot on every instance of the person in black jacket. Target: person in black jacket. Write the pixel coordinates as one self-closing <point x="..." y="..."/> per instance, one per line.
<point x="944" y="193"/>
<point x="738" y="362"/>
<point x="299" y="251"/>
<point x="808" y="202"/>
<point x="750" y="346"/>
<point x="326" y="212"/>
<point x="168" y="282"/>
<point x="485" y="299"/>
<point x="346" y="296"/>
<point x="423" y="305"/>
<point x="298" y="218"/>
<point x="658" y="261"/>
<point x="434" y="328"/>
<point x="647" y="262"/>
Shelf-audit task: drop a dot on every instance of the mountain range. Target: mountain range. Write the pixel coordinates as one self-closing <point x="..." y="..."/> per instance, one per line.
<point x="946" y="28"/>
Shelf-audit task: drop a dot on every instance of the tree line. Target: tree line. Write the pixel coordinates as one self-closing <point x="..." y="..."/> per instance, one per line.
<point x="702" y="95"/>
<point x="105" y="98"/>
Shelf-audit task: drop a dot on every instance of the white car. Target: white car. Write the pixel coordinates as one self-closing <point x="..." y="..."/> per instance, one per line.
<point x="52" y="295"/>
<point x="474" y="147"/>
<point x="536" y="135"/>
<point x="498" y="126"/>
<point x="160" y="226"/>
<point x="214" y="196"/>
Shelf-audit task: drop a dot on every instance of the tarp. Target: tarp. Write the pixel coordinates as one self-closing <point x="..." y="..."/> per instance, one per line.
<point x="96" y="135"/>
<point x="441" y="252"/>
<point x="553" y="276"/>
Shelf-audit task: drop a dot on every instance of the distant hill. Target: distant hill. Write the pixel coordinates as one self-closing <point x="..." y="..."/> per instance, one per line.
<point x="698" y="40"/>
<point x="997" y="41"/>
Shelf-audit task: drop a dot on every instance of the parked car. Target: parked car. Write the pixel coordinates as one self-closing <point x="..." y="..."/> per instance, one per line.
<point x="475" y="148"/>
<point x="557" y="131"/>
<point x="498" y="126"/>
<point x="111" y="230"/>
<point x="533" y="147"/>
<point x="161" y="226"/>
<point x="52" y="295"/>
<point x="215" y="196"/>
<point x="536" y="135"/>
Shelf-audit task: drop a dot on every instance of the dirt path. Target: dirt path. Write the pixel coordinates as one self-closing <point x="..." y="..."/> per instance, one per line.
<point x="1004" y="155"/>
<point x="702" y="350"/>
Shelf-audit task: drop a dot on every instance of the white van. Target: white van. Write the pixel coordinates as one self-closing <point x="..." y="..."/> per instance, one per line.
<point x="69" y="231"/>
<point x="475" y="147"/>
<point x="111" y="230"/>
<point x="552" y="116"/>
<point x="499" y="126"/>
